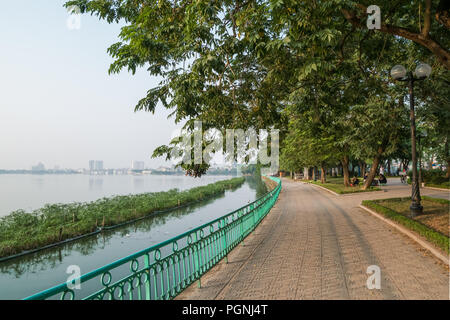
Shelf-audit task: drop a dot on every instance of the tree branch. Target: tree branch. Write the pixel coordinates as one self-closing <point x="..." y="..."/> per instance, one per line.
<point x="427" y="19"/>
<point x="441" y="54"/>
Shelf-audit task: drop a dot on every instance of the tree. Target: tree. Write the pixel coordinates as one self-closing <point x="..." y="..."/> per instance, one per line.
<point x="308" y="145"/>
<point x="433" y="114"/>
<point x="250" y="64"/>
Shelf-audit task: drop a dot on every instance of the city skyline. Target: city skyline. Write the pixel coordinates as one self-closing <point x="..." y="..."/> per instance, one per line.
<point x="59" y="106"/>
<point x="96" y="165"/>
<point x="99" y="165"/>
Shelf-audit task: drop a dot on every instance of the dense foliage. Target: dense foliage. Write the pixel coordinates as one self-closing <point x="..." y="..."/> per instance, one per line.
<point x="310" y="68"/>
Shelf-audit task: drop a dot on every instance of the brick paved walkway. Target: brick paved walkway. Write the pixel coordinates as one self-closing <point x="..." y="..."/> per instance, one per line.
<point x="315" y="245"/>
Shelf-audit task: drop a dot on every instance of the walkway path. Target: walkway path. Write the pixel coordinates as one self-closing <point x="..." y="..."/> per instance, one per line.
<point x="315" y="245"/>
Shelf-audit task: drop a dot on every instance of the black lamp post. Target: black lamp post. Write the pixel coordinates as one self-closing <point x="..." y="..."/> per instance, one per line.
<point x="422" y="134"/>
<point x="399" y="73"/>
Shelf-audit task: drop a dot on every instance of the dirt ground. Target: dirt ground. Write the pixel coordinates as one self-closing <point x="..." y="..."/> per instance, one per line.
<point x="436" y="215"/>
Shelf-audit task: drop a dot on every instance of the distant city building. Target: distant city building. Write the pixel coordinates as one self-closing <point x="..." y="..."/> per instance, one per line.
<point x="40" y="167"/>
<point x="95" y="165"/>
<point x="137" y="165"/>
<point x="98" y="165"/>
<point x="120" y="171"/>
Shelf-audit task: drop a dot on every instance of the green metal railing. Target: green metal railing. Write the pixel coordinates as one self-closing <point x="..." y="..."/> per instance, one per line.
<point x="164" y="270"/>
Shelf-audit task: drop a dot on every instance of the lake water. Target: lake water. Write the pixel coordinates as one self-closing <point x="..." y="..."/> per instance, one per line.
<point x="28" y="192"/>
<point x="32" y="273"/>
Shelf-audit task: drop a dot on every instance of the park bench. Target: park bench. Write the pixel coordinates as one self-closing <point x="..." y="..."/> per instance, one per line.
<point x="298" y="176"/>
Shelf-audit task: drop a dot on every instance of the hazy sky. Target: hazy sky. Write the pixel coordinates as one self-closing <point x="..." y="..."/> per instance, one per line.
<point x="58" y="105"/>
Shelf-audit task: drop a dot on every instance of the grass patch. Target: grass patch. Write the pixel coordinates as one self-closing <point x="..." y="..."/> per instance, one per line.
<point x="441" y="186"/>
<point x="438" y="200"/>
<point x="337" y="185"/>
<point x="20" y="230"/>
<point x="445" y="185"/>
<point x="432" y="225"/>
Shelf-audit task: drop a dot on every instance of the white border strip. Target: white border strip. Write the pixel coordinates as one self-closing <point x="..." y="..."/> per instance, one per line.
<point x="410" y="234"/>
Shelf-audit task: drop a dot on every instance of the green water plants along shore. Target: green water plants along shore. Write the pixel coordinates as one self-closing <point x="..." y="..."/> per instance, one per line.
<point x="22" y="231"/>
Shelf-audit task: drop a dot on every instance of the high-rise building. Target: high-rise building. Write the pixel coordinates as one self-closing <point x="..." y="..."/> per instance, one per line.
<point x="137" y="165"/>
<point x="95" y="165"/>
<point x="98" y="165"/>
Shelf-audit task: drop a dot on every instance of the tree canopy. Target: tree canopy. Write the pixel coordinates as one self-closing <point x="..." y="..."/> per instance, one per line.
<point x="310" y="68"/>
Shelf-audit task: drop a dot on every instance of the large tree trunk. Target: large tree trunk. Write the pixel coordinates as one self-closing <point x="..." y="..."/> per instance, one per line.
<point x="405" y="163"/>
<point x="389" y="167"/>
<point x="447" y="158"/>
<point x="344" y="162"/>
<point x="363" y="168"/>
<point x="373" y="169"/>
<point x="323" y="174"/>
<point x="448" y="169"/>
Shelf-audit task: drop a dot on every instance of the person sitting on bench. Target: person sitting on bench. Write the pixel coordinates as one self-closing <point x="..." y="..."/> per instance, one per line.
<point x="355" y="181"/>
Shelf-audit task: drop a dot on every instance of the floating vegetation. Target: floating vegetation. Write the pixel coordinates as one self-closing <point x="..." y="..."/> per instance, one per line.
<point x="21" y="231"/>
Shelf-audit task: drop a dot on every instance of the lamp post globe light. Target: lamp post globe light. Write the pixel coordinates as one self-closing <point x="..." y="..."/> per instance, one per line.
<point x="422" y="71"/>
<point x="399" y="73"/>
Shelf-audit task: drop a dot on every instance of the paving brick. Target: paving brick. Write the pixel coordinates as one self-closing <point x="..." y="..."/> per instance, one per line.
<point x="314" y="245"/>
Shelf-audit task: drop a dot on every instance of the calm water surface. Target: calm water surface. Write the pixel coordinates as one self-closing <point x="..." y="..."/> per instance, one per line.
<point x="30" y="274"/>
<point x="28" y="192"/>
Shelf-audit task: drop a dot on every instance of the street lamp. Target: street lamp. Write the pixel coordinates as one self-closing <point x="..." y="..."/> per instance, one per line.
<point x="399" y="73"/>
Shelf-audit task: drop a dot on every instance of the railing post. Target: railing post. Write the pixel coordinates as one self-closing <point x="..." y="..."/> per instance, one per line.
<point x="241" y="227"/>
<point x="147" y="270"/>
<point x="197" y="260"/>
<point x="225" y="241"/>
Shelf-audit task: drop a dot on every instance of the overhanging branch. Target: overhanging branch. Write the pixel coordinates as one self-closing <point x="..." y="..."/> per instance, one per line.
<point x="441" y="54"/>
